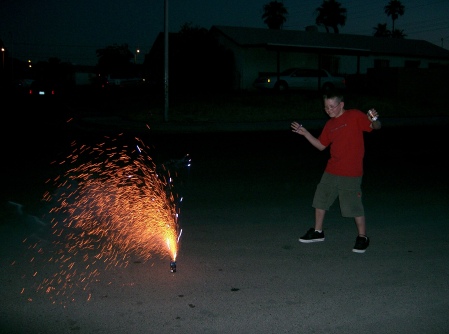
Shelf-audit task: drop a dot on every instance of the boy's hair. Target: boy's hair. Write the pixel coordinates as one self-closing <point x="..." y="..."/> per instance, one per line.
<point x="334" y="94"/>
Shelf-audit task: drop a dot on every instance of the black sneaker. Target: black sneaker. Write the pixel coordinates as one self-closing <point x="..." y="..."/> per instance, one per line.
<point x="361" y="244"/>
<point x="312" y="236"/>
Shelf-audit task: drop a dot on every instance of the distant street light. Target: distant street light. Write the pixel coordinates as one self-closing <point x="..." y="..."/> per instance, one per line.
<point x="135" y="56"/>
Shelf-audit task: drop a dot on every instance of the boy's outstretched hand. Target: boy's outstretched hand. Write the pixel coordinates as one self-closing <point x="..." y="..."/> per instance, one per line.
<point x="298" y="128"/>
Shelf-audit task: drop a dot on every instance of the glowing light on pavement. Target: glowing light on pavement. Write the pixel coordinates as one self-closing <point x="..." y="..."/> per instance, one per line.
<point x="111" y="207"/>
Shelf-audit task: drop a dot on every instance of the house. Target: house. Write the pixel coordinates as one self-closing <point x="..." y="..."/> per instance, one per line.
<point x="84" y="75"/>
<point x="258" y="50"/>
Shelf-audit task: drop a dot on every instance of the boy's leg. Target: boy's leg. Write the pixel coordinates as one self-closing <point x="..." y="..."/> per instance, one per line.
<point x="325" y="195"/>
<point x="351" y="205"/>
<point x="319" y="218"/>
<point x="362" y="241"/>
<point x="361" y="225"/>
<point x="312" y="235"/>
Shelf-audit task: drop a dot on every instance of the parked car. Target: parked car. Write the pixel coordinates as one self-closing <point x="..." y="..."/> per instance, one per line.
<point x="301" y="79"/>
<point x="44" y="88"/>
<point x="120" y="81"/>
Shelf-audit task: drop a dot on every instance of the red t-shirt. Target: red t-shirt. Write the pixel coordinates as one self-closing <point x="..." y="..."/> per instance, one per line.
<point x="345" y="135"/>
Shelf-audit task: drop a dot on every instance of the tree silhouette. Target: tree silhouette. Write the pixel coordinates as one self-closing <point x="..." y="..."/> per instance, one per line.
<point x="115" y="59"/>
<point x="394" y="9"/>
<point x="274" y="15"/>
<point x="398" y="33"/>
<point x="331" y="14"/>
<point x="198" y="62"/>
<point x="381" y="30"/>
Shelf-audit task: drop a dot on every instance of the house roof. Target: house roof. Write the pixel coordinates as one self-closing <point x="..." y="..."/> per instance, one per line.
<point x="314" y="41"/>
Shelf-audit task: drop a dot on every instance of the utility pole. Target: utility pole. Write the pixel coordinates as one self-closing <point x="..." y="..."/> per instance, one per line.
<point x="135" y="56"/>
<point x="166" y="59"/>
<point x="3" y="58"/>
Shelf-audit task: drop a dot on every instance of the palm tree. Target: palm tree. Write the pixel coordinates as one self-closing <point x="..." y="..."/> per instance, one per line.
<point x="331" y="14"/>
<point x="394" y="9"/>
<point x="274" y="15"/>
<point x="381" y="30"/>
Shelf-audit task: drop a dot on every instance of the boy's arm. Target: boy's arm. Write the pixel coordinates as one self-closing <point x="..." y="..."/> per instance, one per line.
<point x="314" y="141"/>
<point x="376" y="125"/>
<point x="299" y="129"/>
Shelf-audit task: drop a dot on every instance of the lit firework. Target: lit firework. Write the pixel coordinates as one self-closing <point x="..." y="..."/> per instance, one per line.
<point x="112" y="205"/>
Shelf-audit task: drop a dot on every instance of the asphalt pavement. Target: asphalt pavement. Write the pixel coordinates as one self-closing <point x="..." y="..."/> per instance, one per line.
<point x="247" y="199"/>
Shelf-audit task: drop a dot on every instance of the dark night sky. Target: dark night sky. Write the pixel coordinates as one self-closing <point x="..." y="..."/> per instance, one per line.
<point x="72" y="31"/>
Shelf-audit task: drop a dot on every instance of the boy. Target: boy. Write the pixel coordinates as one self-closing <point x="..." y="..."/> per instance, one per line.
<point x="342" y="177"/>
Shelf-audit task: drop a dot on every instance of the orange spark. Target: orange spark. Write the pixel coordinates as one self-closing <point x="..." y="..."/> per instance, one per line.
<point x="111" y="205"/>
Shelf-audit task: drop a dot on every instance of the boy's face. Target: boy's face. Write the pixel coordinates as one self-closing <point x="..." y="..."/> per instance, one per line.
<point x="333" y="107"/>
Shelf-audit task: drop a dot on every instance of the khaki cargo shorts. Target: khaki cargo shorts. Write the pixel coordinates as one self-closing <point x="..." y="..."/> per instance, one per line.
<point x="347" y="189"/>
